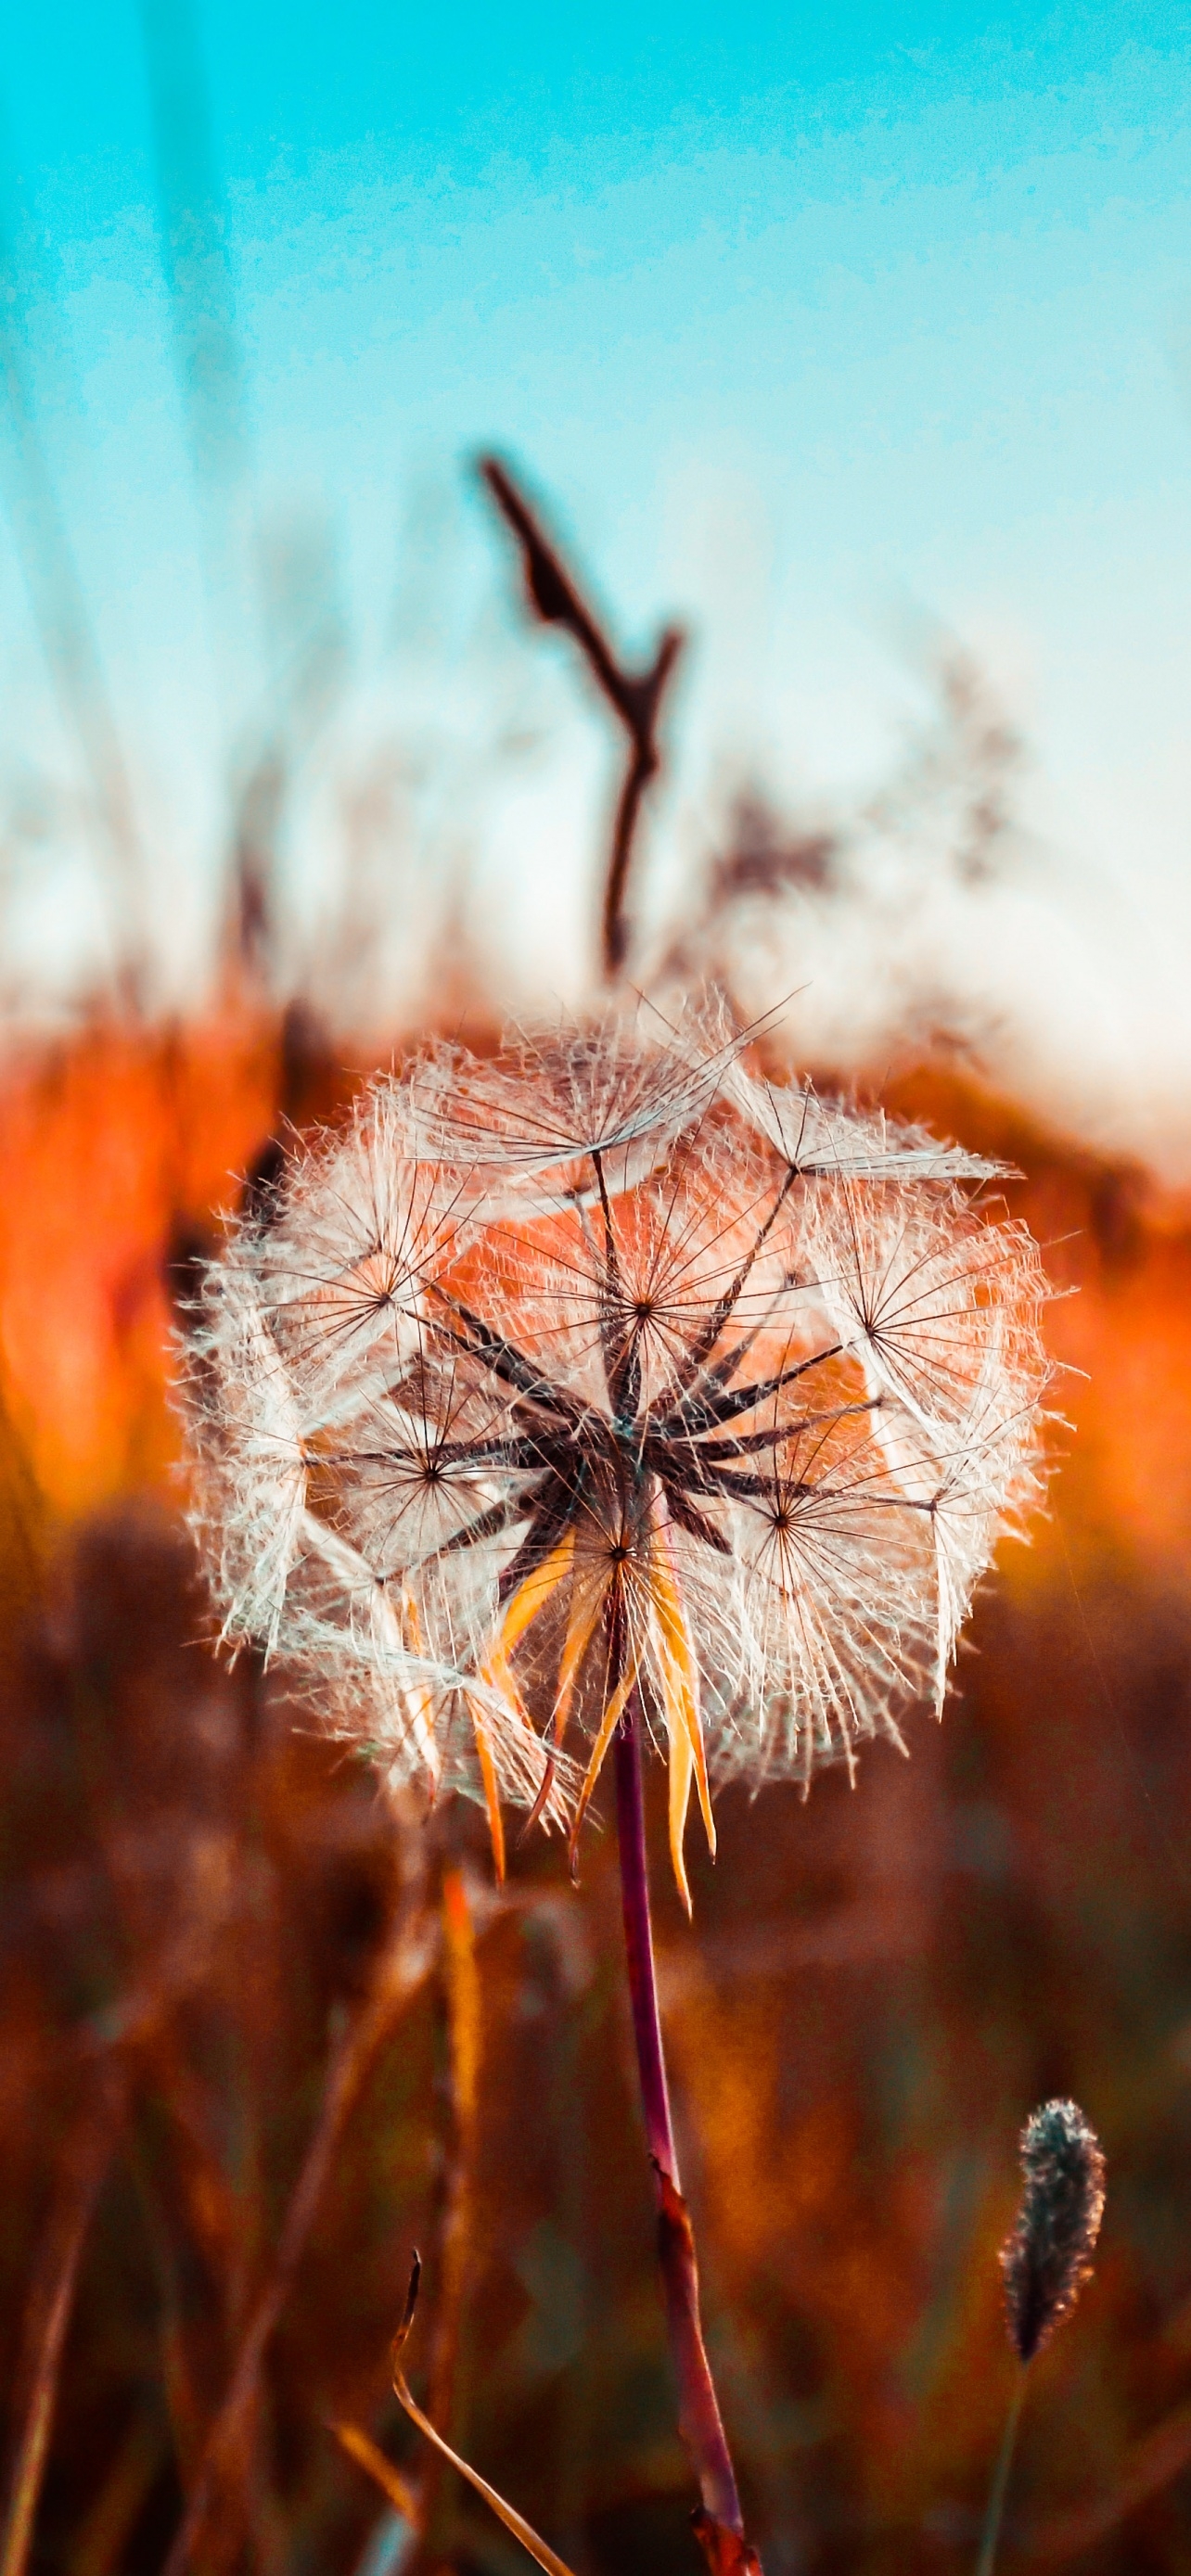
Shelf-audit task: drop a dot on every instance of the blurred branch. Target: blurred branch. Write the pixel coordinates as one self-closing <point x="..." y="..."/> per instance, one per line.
<point x="192" y="231"/>
<point x="193" y="245"/>
<point x="634" y="697"/>
<point x="403" y="1967"/>
<point x="62" y="621"/>
<point x="108" y="2054"/>
<point x="304" y="635"/>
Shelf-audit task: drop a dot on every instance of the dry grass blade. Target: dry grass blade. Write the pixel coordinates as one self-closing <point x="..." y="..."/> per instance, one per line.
<point x="34" y="2445"/>
<point x="513" y="2521"/>
<point x="401" y="1972"/>
<point x="464" y="2037"/>
<point x="461" y="1985"/>
<point x="80" y="2191"/>
<point x="367" y="2457"/>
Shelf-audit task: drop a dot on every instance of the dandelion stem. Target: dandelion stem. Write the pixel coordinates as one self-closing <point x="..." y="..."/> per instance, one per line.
<point x="638" y="1934"/>
<point x="719" y="2525"/>
<point x="997" y="2492"/>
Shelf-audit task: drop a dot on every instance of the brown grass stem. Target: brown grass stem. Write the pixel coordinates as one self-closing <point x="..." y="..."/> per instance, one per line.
<point x="719" y="2524"/>
<point x="461" y="1989"/>
<point x="404" y="1965"/>
<point x="50" y="2312"/>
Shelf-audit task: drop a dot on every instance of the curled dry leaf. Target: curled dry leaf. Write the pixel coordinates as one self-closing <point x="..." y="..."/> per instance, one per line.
<point x="360" y="2448"/>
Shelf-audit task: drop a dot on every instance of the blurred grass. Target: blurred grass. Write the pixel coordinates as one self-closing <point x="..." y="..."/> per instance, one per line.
<point x="200" y="1896"/>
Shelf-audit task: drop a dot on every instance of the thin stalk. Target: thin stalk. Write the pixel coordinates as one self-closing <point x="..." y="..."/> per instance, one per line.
<point x="719" y="2525"/>
<point x="400" y="1972"/>
<point x="461" y="1996"/>
<point x="35" y="2435"/>
<point x="997" y="2492"/>
<point x="79" y="2193"/>
<point x="638" y="1935"/>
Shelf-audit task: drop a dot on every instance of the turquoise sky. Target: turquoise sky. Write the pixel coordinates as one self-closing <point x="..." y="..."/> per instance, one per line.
<point x="817" y="325"/>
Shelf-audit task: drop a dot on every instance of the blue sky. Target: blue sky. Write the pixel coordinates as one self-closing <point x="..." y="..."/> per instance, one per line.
<point x="817" y="324"/>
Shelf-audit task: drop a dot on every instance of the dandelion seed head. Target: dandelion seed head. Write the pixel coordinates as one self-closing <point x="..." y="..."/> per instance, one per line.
<point x="602" y="1374"/>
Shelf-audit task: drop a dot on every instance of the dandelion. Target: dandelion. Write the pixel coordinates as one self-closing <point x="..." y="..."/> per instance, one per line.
<point x="600" y="1393"/>
<point x="602" y="1372"/>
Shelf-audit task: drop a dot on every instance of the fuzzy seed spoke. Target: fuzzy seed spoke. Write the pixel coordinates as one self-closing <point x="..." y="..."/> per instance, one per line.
<point x="717" y="1452"/>
<point x="490" y="1524"/>
<point x="508" y="1363"/>
<point x="692" y="1520"/>
<point x="707" y="1414"/>
<point x="553" y="1516"/>
<point x="723" y="1311"/>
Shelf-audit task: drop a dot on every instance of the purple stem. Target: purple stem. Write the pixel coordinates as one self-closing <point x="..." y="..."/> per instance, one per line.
<point x="699" y="2415"/>
<point x="638" y="1938"/>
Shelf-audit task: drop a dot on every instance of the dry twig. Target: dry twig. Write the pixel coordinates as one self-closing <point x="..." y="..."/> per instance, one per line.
<point x="635" y="697"/>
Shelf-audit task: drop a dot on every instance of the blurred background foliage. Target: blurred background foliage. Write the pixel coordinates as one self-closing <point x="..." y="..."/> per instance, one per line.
<point x="237" y="2012"/>
<point x="262" y="2031"/>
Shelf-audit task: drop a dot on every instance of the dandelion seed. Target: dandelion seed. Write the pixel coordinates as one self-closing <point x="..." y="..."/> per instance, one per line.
<point x="600" y="1374"/>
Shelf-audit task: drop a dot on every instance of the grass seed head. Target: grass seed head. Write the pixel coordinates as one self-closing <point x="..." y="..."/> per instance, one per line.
<point x="1047" y="2259"/>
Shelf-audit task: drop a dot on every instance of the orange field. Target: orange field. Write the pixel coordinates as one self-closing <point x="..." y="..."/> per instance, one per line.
<point x="263" y="2032"/>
